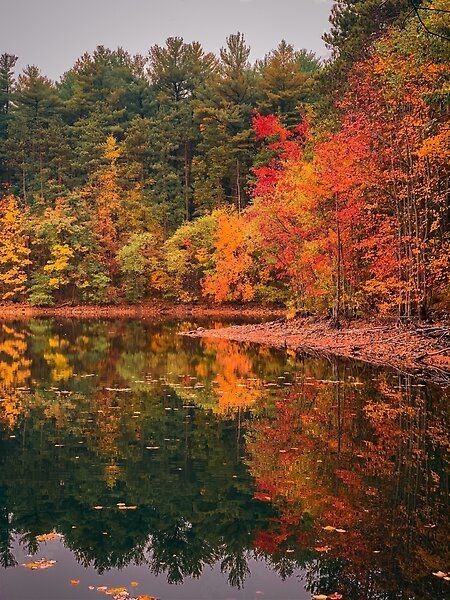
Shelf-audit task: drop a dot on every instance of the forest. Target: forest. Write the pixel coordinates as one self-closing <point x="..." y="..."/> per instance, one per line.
<point x="185" y="176"/>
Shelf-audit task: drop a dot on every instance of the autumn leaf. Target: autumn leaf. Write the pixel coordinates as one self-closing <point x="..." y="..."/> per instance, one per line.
<point x="45" y="537"/>
<point x="42" y="563"/>
<point x="440" y="574"/>
<point x="74" y="581"/>
<point x="322" y="548"/>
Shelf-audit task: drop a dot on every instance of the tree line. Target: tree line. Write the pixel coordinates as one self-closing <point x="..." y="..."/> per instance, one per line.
<point x="190" y="176"/>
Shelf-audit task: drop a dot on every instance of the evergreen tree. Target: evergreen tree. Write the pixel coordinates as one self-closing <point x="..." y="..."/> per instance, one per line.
<point x="7" y="63"/>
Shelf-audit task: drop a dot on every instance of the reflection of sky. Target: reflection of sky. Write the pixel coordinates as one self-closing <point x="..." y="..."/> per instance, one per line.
<point x="54" y="33"/>
<point x="53" y="583"/>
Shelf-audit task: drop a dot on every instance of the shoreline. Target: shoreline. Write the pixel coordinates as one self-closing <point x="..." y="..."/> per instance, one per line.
<point x="422" y="350"/>
<point x="417" y="350"/>
<point x="145" y="310"/>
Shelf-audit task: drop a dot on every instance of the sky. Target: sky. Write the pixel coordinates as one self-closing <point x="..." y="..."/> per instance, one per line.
<point x="52" y="34"/>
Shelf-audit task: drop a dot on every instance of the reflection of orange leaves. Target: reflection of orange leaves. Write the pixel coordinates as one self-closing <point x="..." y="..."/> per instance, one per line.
<point x="234" y="369"/>
<point x="201" y="370"/>
<point x="12" y="407"/>
<point x="14" y="372"/>
<point x="266" y="542"/>
<point x="349" y="477"/>
<point x="61" y="369"/>
<point x="261" y="497"/>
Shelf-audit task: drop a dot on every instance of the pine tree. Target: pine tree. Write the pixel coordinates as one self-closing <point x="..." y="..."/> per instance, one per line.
<point x="7" y="63"/>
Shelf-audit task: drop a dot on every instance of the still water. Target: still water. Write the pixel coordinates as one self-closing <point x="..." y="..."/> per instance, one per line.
<point x="180" y="468"/>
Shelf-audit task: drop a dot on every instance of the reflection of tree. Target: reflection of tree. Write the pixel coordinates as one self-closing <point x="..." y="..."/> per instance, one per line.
<point x="14" y="373"/>
<point x="363" y="458"/>
<point x="194" y="499"/>
<point x="134" y="414"/>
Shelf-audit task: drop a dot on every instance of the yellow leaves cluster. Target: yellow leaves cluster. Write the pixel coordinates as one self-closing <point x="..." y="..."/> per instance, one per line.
<point x="59" y="264"/>
<point x="14" y="250"/>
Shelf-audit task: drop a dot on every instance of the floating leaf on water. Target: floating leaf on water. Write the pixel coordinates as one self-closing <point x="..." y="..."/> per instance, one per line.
<point x="45" y="537"/>
<point x="322" y="548"/>
<point x="134" y="584"/>
<point x="440" y="574"/>
<point x="42" y="563"/>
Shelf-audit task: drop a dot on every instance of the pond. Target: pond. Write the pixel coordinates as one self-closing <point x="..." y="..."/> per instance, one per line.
<point x="178" y="468"/>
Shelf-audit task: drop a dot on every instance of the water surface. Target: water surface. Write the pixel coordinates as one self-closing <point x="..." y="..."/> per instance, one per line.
<point x="212" y="469"/>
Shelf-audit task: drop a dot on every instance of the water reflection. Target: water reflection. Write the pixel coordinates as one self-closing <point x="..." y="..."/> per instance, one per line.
<point x="219" y="452"/>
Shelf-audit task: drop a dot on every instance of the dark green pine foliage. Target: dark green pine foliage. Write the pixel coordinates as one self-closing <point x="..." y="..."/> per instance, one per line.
<point x="177" y="71"/>
<point x="224" y="114"/>
<point x="286" y="82"/>
<point x="28" y="146"/>
<point x="7" y="64"/>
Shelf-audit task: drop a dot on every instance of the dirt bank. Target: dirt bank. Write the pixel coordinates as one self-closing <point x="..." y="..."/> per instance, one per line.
<point x="147" y="310"/>
<point x="422" y="350"/>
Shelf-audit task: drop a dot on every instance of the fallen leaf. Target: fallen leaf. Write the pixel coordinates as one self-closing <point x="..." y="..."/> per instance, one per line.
<point x="134" y="584"/>
<point x="334" y="596"/>
<point x="44" y="537"/>
<point x="329" y="528"/>
<point x="322" y="548"/>
<point x="320" y="597"/>
<point x="440" y="574"/>
<point x="74" y="581"/>
<point x="42" y="563"/>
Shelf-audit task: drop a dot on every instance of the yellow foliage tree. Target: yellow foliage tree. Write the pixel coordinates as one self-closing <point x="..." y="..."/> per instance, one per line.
<point x="13" y="250"/>
<point x="57" y="267"/>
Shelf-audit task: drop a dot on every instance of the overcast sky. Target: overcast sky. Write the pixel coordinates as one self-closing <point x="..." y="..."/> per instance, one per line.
<point x="54" y="33"/>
